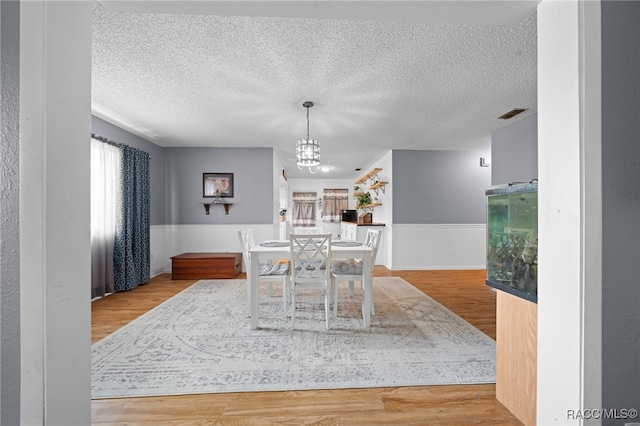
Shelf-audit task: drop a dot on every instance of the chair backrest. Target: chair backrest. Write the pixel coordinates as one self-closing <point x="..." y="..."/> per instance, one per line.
<point x="373" y="240"/>
<point x="310" y="256"/>
<point x="307" y="230"/>
<point x="246" y="243"/>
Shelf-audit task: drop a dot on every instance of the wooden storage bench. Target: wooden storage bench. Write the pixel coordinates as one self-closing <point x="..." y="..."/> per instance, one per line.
<point x="193" y="266"/>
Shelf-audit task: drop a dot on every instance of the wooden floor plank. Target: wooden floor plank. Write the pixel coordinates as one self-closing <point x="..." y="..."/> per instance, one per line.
<point x="464" y="292"/>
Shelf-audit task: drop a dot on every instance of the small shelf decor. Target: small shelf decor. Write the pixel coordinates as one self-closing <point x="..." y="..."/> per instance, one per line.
<point x="363" y="200"/>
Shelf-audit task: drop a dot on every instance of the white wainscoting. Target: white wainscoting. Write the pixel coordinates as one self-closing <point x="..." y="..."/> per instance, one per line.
<point x="449" y="246"/>
<point x="158" y="256"/>
<point x="415" y="246"/>
<point x="172" y="240"/>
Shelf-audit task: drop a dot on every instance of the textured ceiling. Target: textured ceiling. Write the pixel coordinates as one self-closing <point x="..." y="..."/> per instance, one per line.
<point x="197" y="79"/>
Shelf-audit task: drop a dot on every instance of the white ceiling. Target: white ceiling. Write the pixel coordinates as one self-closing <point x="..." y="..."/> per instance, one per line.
<point x="382" y="75"/>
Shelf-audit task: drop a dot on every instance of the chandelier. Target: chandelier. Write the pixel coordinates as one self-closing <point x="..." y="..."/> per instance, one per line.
<point x="308" y="150"/>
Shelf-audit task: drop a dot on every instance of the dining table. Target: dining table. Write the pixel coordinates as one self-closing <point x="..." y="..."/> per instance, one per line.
<point x="340" y="249"/>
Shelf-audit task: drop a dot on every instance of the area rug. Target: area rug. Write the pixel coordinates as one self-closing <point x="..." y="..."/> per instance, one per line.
<point x="199" y="341"/>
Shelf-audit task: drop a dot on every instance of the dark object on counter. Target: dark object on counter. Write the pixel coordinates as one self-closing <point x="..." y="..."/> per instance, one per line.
<point x="349" y="215"/>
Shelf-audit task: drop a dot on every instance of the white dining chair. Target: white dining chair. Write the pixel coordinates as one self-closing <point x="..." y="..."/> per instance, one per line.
<point x="351" y="269"/>
<point x="307" y="230"/>
<point x="310" y="256"/>
<point x="269" y="272"/>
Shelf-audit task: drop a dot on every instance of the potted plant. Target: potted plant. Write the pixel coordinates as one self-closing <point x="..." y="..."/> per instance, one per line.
<point x="363" y="199"/>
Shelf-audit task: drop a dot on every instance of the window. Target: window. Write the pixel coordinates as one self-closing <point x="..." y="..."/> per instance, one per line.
<point x="333" y="202"/>
<point x="106" y="163"/>
<point x="304" y="208"/>
<point x="120" y="217"/>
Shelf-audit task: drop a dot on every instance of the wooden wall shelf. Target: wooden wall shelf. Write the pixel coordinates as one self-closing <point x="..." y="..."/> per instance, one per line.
<point x="225" y="205"/>
<point x="369" y="175"/>
<point x="378" y="185"/>
<point x="375" y="184"/>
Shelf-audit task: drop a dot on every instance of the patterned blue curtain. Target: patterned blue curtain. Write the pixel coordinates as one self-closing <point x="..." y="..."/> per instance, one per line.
<point x="131" y="256"/>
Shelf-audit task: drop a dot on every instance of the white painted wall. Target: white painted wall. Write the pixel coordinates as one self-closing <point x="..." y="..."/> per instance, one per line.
<point x="439" y="246"/>
<point x="568" y="148"/>
<point x="416" y="246"/>
<point x="277" y="184"/>
<point x="157" y="249"/>
<point x="172" y="240"/>
<point x="55" y="243"/>
<point x="318" y="183"/>
<point x="384" y="213"/>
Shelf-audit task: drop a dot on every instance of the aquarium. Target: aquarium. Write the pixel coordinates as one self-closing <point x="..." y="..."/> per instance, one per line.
<point x="512" y="239"/>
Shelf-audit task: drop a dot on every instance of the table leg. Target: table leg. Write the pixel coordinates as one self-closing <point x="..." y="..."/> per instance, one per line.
<point x="367" y="284"/>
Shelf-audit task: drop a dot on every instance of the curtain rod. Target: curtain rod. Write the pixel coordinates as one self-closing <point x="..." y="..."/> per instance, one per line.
<point x="118" y="144"/>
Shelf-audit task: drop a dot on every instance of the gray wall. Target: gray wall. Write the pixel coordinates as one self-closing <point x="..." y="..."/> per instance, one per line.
<point x="514" y="152"/>
<point x="9" y="213"/>
<point x="253" y="185"/>
<point x="176" y="180"/>
<point x="438" y="187"/>
<point x="621" y="205"/>
<point x="116" y="134"/>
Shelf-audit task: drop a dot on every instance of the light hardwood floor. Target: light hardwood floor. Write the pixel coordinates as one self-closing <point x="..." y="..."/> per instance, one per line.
<point x="463" y="292"/>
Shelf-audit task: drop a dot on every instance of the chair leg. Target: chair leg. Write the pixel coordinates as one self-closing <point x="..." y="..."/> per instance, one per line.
<point x="336" y="285"/>
<point x="327" y="303"/>
<point x="293" y="306"/>
<point x="285" y="290"/>
<point x="284" y="299"/>
<point x="248" y="309"/>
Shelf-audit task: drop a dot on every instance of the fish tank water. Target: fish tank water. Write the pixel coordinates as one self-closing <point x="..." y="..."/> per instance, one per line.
<point x="512" y="239"/>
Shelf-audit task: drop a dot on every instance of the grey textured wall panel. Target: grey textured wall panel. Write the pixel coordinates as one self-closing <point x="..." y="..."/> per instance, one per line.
<point x="621" y="206"/>
<point x="514" y="152"/>
<point x="10" y="213"/>
<point x="439" y="187"/>
<point x="253" y="185"/>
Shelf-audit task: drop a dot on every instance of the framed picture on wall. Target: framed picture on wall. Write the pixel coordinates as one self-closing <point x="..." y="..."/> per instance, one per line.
<point x="217" y="185"/>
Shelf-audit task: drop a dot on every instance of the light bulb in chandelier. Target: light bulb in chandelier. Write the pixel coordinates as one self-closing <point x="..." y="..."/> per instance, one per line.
<point x="308" y="150"/>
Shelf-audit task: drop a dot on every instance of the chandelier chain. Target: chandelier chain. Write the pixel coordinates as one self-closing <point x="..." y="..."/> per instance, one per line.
<point x="307" y="122"/>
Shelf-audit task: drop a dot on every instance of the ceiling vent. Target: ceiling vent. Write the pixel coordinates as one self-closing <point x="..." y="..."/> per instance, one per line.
<point x="511" y="113"/>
